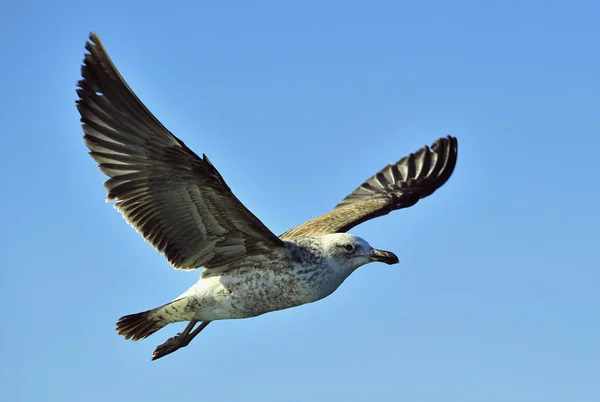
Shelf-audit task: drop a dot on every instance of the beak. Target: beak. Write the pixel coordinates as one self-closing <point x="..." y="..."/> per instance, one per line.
<point x="384" y="256"/>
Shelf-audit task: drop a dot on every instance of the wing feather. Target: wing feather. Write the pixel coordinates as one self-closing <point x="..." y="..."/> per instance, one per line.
<point x="396" y="186"/>
<point x="178" y="201"/>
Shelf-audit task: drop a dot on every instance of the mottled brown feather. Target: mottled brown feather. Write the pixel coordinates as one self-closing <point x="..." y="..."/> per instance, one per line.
<point x="178" y="201"/>
<point x="396" y="186"/>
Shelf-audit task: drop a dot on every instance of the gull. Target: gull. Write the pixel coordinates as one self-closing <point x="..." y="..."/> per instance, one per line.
<point x="182" y="206"/>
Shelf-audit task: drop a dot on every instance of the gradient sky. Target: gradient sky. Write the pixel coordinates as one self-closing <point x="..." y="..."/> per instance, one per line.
<point x="296" y="103"/>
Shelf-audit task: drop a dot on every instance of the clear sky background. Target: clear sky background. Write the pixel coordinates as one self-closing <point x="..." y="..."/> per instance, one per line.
<point x="296" y="103"/>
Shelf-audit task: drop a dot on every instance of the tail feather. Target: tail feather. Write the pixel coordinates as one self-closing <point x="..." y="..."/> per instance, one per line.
<point x="139" y="326"/>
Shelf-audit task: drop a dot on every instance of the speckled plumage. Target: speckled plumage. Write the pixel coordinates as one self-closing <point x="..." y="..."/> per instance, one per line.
<point x="305" y="275"/>
<point x="311" y="269"/>
<point x="181" y="205"/>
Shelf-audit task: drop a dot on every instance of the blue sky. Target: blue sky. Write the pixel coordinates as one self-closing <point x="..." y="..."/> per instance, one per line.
<point x="496" y="296"/>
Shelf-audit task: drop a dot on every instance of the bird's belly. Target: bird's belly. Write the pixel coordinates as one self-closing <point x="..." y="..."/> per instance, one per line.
<point x="258" y="292"/>
<point x="282" y="294"/>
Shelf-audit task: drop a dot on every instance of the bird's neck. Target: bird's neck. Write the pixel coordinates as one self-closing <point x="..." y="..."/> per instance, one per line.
<point x="316" y="269"/>
<point x="308" y="249"/>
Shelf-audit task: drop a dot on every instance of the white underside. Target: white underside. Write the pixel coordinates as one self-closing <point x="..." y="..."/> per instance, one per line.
<point x="255" y="292"/>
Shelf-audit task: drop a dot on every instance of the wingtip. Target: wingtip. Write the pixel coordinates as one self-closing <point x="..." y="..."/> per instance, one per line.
<point x="447" y="148"/>
<point x="94" y="39"/>
<point x="414" y="176"/>
<point x="452" y="143"/>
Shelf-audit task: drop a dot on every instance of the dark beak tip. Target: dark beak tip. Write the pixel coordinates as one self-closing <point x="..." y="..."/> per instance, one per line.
<point x="392" y="261"/>
<point x="386" y="256"/>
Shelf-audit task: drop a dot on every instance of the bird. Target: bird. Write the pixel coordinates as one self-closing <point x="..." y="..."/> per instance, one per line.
<point x="182" y="206"/>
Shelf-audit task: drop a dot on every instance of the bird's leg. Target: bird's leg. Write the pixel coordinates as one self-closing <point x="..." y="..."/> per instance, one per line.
<point x="173" y="343"/>
<point x="180" y="340"/>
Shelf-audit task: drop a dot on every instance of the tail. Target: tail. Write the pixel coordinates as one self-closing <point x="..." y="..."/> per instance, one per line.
<point x="138" y="326"/>
<point x="142" y="325"/>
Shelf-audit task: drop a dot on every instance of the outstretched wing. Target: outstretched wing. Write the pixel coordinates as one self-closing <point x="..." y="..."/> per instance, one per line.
<point x="178" y="201"/>
<point x="396" y="186"/>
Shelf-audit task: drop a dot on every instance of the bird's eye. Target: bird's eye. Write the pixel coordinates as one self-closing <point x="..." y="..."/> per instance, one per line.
<point x="349" y="247"/>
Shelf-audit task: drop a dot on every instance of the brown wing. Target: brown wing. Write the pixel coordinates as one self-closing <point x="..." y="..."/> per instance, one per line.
<point x="178" y="201"/>
<point x="396" y="186"/>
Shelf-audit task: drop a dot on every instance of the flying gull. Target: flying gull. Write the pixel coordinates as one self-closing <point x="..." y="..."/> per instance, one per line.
<point x="181" y="205"/>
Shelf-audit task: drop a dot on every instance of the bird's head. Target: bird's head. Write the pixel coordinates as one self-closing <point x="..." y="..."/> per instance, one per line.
<point x="351" y="252"/>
